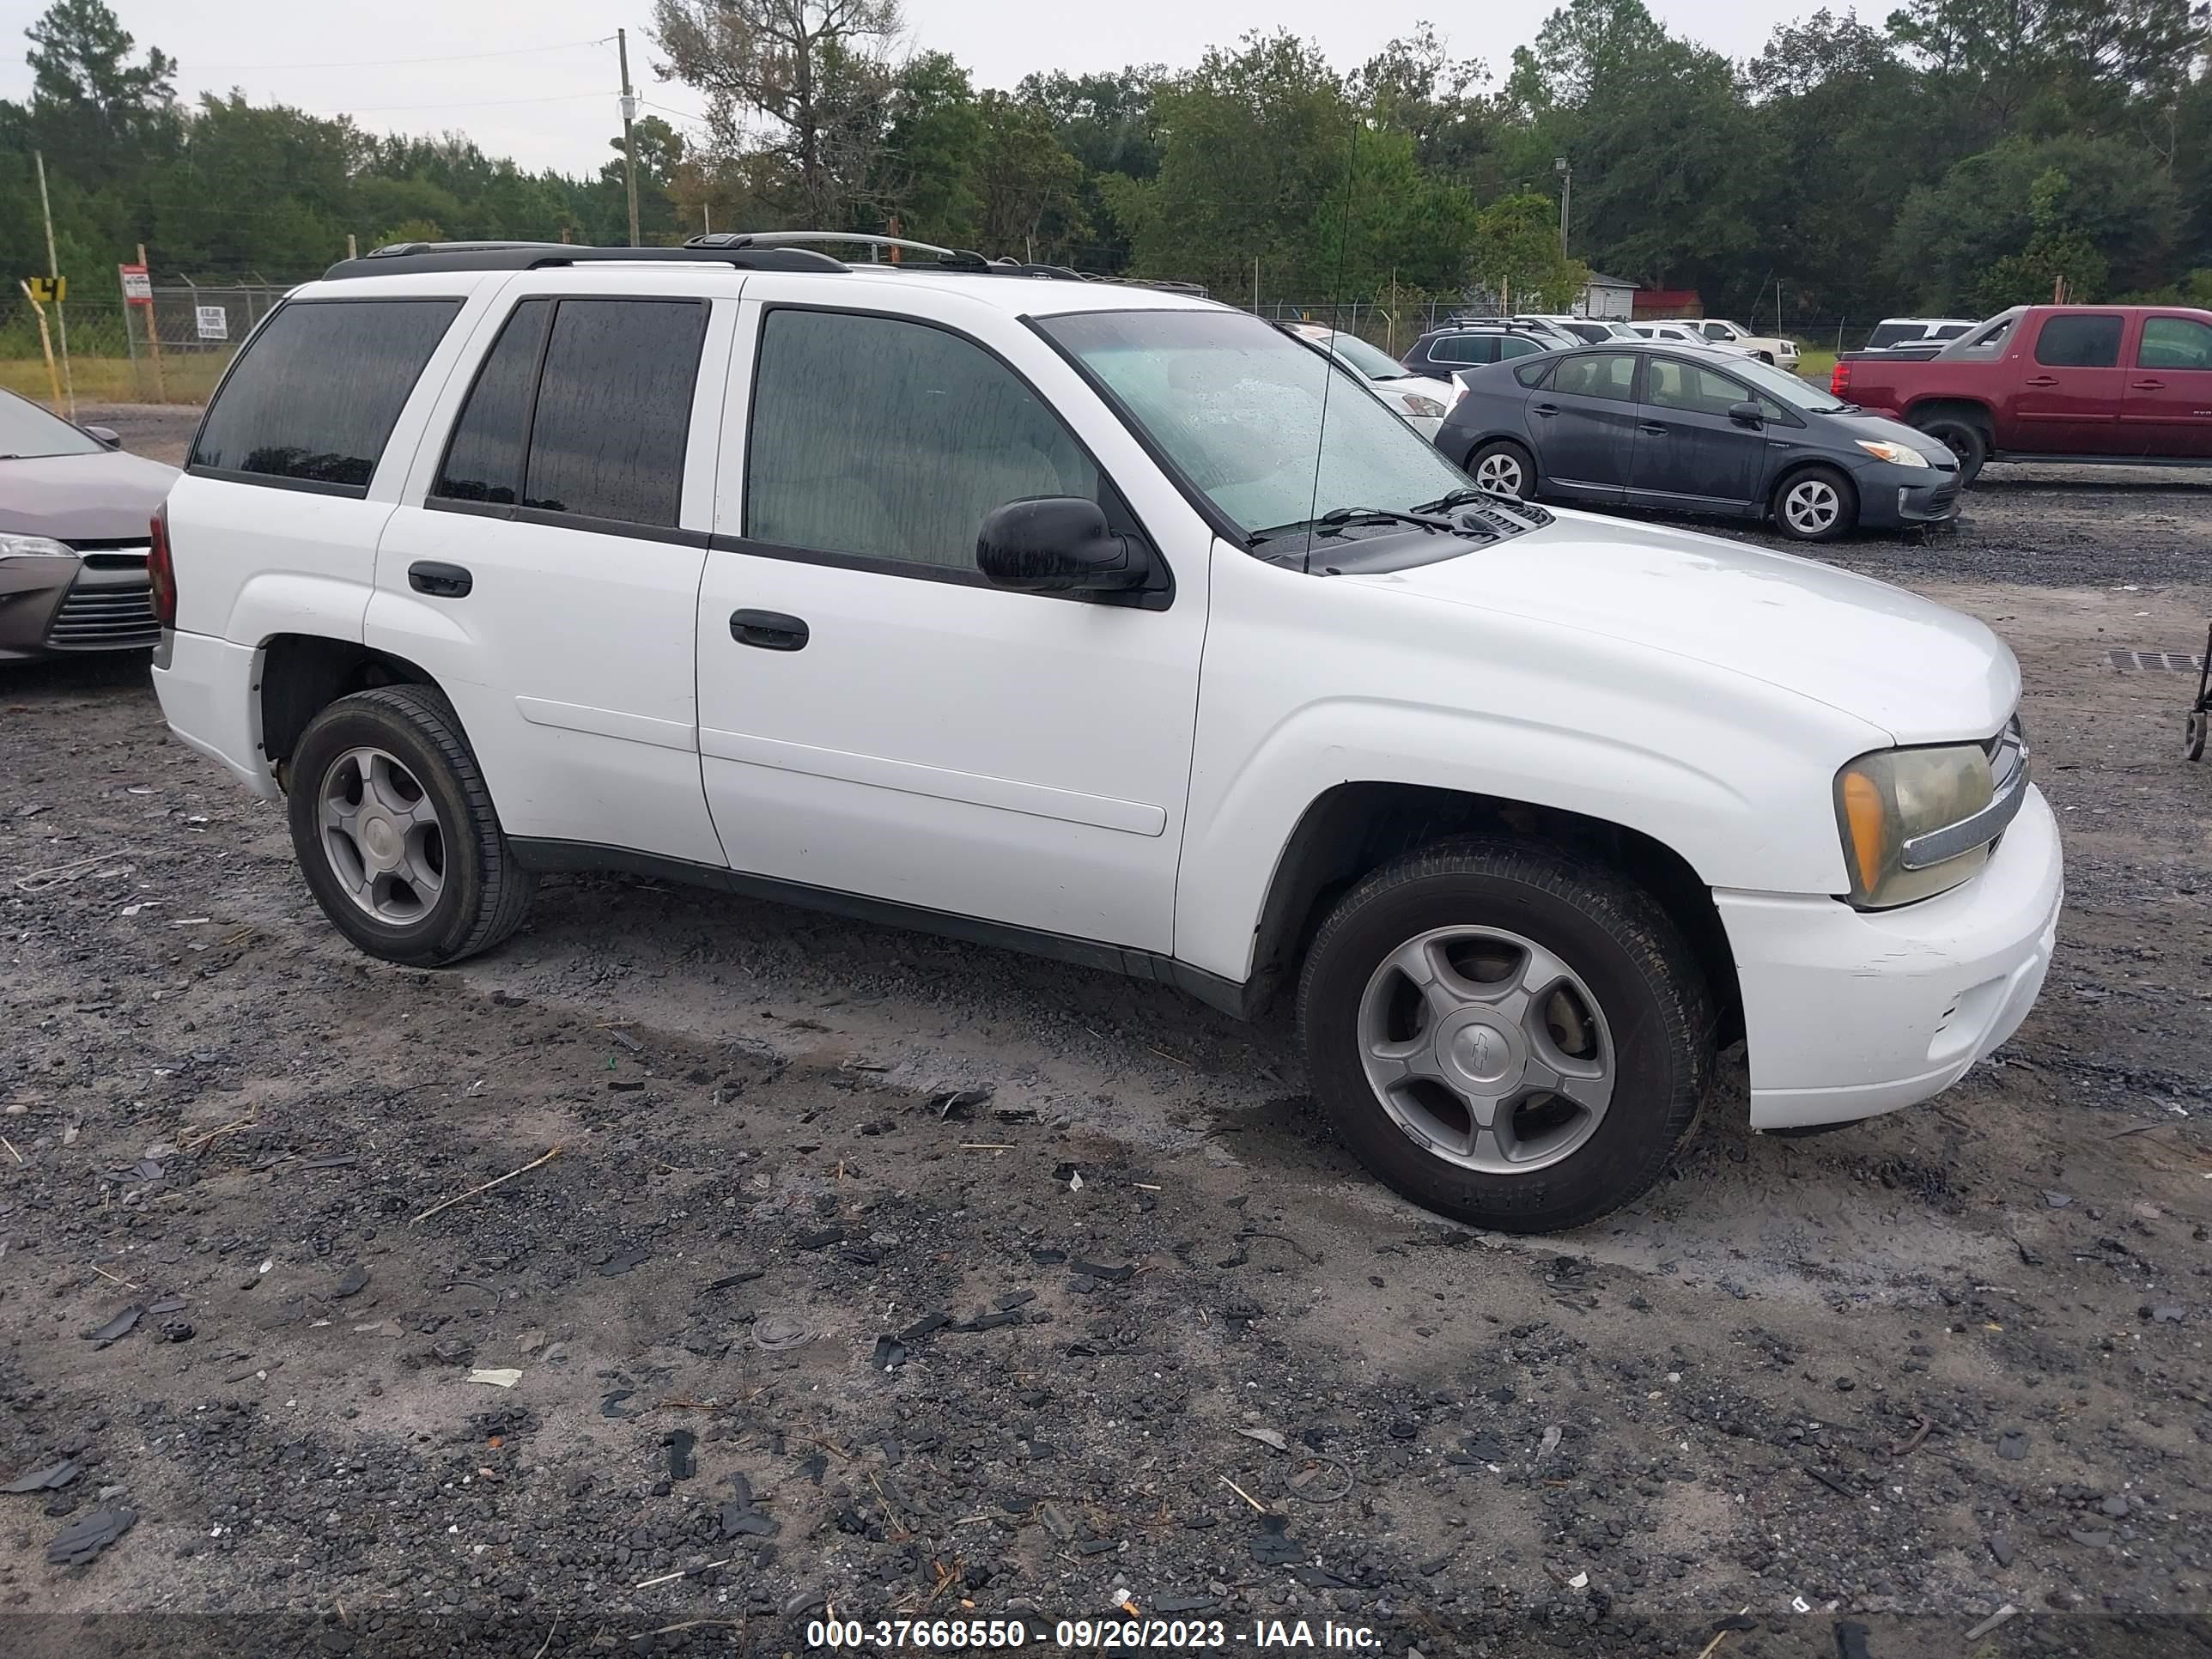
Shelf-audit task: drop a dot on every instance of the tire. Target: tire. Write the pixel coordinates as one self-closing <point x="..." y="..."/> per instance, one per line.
<point x="1766" y="357"/>
<point x="1964" y="436"/>
<point x="1814" y="504"/>
<point x="1506" y="459"/>
<point x="1632" y="1012"/>
<point x="2193" y="734"/>
<point x="424" y="849"/>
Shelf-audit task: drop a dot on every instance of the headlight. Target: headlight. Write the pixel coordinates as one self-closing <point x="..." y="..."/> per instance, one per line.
<point x="1898" y="454"/>
<point x="34" y="547"/>
<point x="1417" y="404"/>
<point x="1889" y="801"/>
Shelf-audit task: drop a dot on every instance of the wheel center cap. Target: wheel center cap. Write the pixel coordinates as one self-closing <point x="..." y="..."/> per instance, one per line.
<point x="383" y="840"/>
<point x="1483" y="1051"/>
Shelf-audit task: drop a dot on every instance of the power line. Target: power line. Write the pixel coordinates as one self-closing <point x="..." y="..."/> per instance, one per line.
<point x="457" y="103"/>
<point x="388" y="62"/>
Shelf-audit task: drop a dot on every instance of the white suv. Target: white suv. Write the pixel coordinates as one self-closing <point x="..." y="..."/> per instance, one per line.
<point x="1115" y="625"/>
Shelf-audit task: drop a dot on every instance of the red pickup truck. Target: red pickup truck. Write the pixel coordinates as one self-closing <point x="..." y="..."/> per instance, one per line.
<point x="2064" y="383"/>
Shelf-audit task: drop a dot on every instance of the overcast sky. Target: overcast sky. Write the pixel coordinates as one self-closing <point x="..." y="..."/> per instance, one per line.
<point x="556" y="107"/>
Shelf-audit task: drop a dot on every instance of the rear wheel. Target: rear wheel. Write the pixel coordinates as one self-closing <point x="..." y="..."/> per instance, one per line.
<point x="1506" y="1034"/>
<point x="395" y="831"/>
<point x="1815" y="505"/>
<point x="1960" y="433"/>
<point x="1504" y="468"/>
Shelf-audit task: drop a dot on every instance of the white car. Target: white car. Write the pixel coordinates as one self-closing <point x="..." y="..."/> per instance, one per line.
<point x="1891" y="332"/>
<point x="1421" y="399"/>
<point x="1055" y="614"/>
<point x="1767" y="347"/>
<point x="1681" y="334"/>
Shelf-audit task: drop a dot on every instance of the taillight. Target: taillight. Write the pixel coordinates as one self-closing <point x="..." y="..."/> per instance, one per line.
<point x="1840" y="381"/>
<point x="161" y="573"/>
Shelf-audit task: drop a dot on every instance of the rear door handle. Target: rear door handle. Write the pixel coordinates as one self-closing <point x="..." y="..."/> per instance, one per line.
<point x="2040" y="379"/>
<point x="2146" y="386"/>
<point x="440" y="581"/>
<point x="1545" y="409"/>
<point x="1654" y="428"/>
<point x="771" y="630"/>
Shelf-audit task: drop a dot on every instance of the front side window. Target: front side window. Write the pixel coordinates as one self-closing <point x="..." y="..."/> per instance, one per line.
<point x="2174" y="342"/>
<point x="1513" y="346"/>
<point x="28" y="431"/>
<point x="1271" y="434"/>
<point x="2081" y="341"/>
<point x="318" y="390"/>
<point x="582" y="407"/>
<point x="1597" y="374"/>
<point x="1670" y="383"/>
<point x="879" y="438"/>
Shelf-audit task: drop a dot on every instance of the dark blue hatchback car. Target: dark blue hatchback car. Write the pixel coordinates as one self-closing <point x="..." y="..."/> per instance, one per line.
<point x="1689" y="431"/>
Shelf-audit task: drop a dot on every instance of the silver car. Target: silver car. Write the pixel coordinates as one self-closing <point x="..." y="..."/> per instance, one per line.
<point x="73" y="512"/>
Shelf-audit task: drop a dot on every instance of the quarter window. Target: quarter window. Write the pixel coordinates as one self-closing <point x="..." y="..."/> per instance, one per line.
<point x="583" y="408"/>
<point x="877" y="438"/>
<point x="2174" y="342"/>
<point x="1597" y="374"/>
<point x="2081" y="341"/>
<point x="320" y="385"/>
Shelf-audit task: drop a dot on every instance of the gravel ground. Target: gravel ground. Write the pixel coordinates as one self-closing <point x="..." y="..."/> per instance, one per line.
<point x="1866" y="1389"/>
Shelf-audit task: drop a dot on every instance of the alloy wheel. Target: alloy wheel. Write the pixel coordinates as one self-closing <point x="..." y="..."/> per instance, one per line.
<point x="1812" y="506"/>
<point x="381" y="836"/>
<point x="1499" y="473"/>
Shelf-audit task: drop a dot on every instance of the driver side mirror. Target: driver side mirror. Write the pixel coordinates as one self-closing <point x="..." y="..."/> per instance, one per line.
<point x="1746" y="413"/>
<point x="1058" y="544"/>
<point x="104" y="436"/>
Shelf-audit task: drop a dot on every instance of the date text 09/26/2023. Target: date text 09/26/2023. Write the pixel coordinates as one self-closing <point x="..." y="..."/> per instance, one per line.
<point x="1087" y="1635"/>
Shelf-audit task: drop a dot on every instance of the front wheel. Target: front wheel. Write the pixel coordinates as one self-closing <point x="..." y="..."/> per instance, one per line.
<point x="1816" y="504"/>
<point x="395" y="831"/>
<point x="1505" y="1035"/>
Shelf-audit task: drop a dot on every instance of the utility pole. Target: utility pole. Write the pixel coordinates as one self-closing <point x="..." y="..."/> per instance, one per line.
<point x="54" y="269"/>
<point x="630" y="135"/>
<point x="154" y="322"/>
<point x="1566" y="196"/>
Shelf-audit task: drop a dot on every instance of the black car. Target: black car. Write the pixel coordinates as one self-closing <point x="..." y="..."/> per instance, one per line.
<point x="1442" y="352"/>
<point x="1695" y="431"/>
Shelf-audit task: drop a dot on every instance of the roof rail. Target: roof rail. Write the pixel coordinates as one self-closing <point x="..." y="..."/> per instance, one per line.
<point x="401" y="259"/>
<point x="947" y="258"/>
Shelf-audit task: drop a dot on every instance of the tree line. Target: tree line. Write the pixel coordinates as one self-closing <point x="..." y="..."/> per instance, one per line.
<point x="1963" y="156"/>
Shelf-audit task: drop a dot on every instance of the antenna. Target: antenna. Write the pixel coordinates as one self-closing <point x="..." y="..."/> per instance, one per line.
<point x="1328" y="354"/>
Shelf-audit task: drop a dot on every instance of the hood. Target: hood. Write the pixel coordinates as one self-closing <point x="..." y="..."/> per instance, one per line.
<point x="105" y="497"/>
<point x="1921" y="672"/>
<point x="1877" y="427"/>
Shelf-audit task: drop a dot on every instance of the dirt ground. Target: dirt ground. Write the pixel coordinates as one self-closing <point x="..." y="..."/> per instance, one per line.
<point x="1858" y="1393"/>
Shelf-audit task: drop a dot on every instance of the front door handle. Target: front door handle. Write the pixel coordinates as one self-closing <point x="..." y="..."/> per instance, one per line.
<point x="440" y="581"/>
<point x="1545" y="409"/>
<point x="1652" y="427"/>
<point x="2146" y="386"/>
<point x="771" y="630"/>
<point x="2040" y="379"/>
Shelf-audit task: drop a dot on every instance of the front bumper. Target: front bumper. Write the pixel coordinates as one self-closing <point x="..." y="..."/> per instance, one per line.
<point x="209" y="691"/>
<point x="1892" y="497"/>
<point x="60" y="605"/>
<point x="1849" y="1013"/>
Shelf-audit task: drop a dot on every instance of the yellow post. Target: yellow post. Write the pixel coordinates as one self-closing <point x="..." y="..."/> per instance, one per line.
<point x="153" y="329"/>
<point x="46" y="342"/>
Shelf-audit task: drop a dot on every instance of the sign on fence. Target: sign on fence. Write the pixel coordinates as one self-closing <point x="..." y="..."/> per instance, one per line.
<point x="137" y="287"/>
<point x="48" y="290"/>
<point x="214" y="322"/>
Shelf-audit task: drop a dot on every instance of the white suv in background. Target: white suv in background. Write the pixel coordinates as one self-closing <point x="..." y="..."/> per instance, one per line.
<point x="1078" y="616"/>
<point x="1774" y="348"/>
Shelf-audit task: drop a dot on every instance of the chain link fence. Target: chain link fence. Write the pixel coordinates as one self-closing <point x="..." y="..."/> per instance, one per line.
<point x="171" y="351"/>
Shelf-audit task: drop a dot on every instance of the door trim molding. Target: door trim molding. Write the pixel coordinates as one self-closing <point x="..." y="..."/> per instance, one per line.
<point x="1232" y="997"/>
<point x="1034" y="801"/>
<point x="608" y="723"/>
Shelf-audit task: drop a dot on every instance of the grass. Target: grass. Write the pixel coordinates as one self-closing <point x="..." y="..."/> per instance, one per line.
<point x="1815" y="365"/>
<point x="184" y="379"/>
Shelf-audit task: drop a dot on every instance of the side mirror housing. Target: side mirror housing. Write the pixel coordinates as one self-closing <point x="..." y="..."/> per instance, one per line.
<point x="1057" y="544"/>
<point x="1746" y="413"/>
<point x="104" y="436"/>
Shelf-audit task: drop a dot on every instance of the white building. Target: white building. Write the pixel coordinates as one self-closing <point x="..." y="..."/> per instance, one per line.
<point x="1610" y="299"/>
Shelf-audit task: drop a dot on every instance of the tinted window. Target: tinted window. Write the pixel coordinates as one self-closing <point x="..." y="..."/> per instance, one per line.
<point x="1948" y="331"/>
<point x="614" y="410"/>
<point x="1670" y="383"/>
<point x="2079" y="342"/>
<point x="1513" y="346"/>
<point x="1598" y="374"/>
<point x="316" y="393"/>
<point x="893" y="440"/>
<point x="1534" y="374"/>
<point x="2174" y="342"/>
<point x="1890" y="334"/>
<point x="1466" y="349"/>
<point x="484" y="461"/>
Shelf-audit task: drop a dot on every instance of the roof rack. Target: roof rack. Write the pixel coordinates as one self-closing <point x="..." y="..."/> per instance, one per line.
<point x="401" y="259"/>
<point x="965" y="260"/>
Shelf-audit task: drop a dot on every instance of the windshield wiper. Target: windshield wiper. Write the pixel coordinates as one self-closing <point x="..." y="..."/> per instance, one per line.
<point x="1458" y="498"/>
<point x="1338" y="517"/>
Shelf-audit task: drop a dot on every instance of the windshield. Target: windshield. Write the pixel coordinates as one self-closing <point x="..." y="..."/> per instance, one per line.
<point x="1373" y="361"/>
<point x="1785" y="387"/>
<point x="27" y="430"/>
<point x="1235" y="405"/>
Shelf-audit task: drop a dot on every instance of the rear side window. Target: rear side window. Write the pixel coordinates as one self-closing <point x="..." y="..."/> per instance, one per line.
<point x="583" y="408"/>
<point x="1597" y="374"/>
<point x="2174" y="342"/>
<point x="1466" y="349"/>
<point x="313" y="399"/>
<point x="2079" y="342"/>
